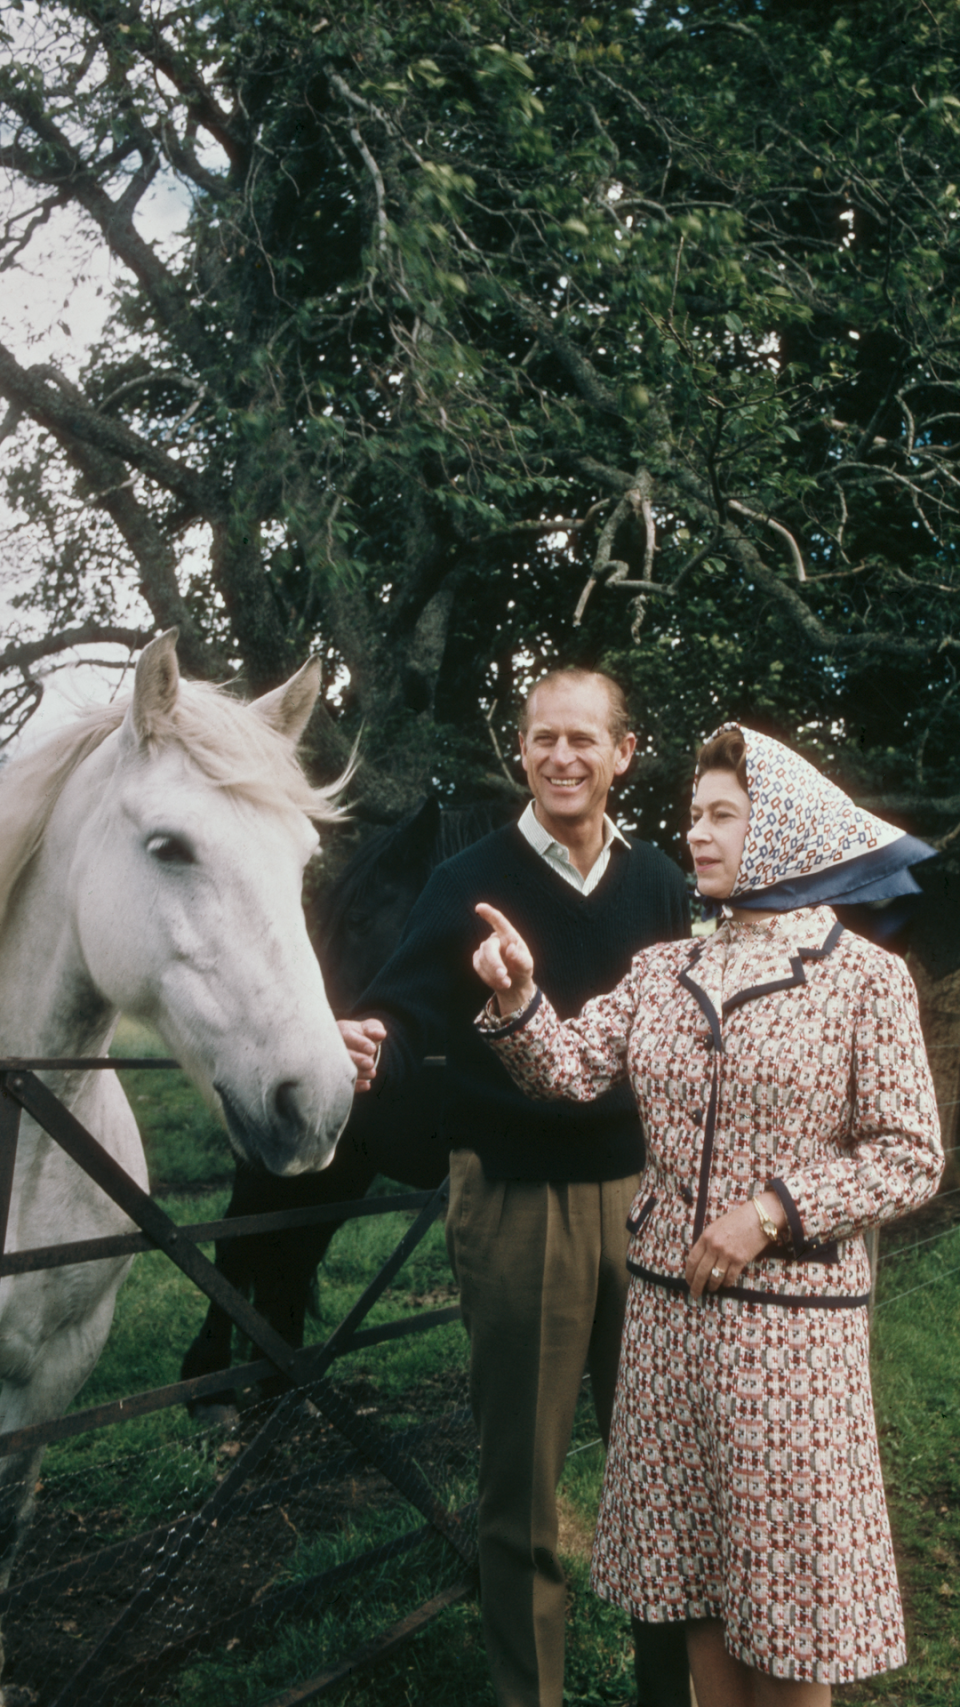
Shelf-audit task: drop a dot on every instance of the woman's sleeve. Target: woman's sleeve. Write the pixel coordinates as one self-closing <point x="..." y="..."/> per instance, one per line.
<point x="574" y="1059"/>
<point x="893" y="1159"/>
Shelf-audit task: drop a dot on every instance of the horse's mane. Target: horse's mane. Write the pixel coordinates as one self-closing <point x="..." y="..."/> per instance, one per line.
<point x="461" y="826"/>
<point x="231" y="744"/>
<point x="458" y="828"/>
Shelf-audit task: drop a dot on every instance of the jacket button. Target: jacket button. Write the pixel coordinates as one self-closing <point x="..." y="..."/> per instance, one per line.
<point x="697" y="1116"/>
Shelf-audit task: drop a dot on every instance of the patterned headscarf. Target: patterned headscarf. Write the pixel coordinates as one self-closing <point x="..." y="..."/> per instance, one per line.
<point x="807" y="843"/>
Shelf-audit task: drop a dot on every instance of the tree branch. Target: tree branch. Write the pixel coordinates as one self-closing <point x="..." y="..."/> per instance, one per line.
<point x="21" y="654"/>
<point x="65" y="413"/>
<point x="778" y="527"/>
<point x="61" y="167"/>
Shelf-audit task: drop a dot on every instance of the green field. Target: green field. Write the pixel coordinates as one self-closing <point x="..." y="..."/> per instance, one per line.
<point x="125" y="1480"/>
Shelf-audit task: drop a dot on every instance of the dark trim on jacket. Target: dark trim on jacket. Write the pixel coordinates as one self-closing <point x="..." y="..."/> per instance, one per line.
<point x="753" y="1294"/>
<point x="714" y="1020"/>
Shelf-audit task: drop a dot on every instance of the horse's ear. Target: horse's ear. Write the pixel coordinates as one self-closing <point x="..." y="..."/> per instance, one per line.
<point x="287" y="709"/>
<point x="155" y="685"/>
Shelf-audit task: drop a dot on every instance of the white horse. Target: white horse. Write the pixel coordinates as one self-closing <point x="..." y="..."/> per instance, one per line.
<point x="151" y="861"/>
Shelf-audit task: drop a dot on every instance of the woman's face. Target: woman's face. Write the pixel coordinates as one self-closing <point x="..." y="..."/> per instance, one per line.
<point x="720" y="815"/>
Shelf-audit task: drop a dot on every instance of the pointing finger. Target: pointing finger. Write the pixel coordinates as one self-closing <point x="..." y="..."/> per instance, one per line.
<point x="495" y="920"/>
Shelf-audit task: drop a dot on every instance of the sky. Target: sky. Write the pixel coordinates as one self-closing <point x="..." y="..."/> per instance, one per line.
<point x="53" y="305"/>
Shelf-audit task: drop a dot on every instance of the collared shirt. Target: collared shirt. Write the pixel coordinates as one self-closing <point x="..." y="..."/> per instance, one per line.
<point x="558" y="856"/>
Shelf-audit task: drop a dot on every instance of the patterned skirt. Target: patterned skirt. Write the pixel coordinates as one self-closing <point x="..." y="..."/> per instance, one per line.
<point x="743" y="1483"/>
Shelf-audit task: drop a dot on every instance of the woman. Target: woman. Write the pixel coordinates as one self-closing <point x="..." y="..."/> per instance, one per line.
<point x="781" y="1077"/>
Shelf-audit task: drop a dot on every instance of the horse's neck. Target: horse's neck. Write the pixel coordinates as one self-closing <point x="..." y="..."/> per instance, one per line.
<point x="48" y="1003"/>
<point x="49" y="1006"/>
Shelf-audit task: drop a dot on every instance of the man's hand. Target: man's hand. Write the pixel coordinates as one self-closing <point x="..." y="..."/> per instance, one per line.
<point x="363" y="1038"/>
<point x="505" y="963"/>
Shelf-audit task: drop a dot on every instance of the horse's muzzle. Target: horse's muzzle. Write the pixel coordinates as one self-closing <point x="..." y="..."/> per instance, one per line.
<point x="287" y="1136"/>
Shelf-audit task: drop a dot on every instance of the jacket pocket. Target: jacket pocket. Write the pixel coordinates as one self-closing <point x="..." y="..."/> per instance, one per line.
<point x="635" y="1221"/>
<point x="829" y="1253"/>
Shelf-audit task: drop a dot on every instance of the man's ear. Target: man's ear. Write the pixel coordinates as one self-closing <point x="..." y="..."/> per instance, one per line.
<point x="625" y="752"/>
<point x="287" y="709"/>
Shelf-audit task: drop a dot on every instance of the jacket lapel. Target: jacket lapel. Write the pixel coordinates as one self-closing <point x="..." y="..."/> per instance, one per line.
<point x="714" y="1020"/>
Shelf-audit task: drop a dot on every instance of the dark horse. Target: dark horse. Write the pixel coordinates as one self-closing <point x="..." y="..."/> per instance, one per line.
<point x="358" y="924"/>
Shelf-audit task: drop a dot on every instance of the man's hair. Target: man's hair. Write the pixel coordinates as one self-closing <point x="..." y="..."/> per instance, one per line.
<point x="726" y="752"/>
<point x="620" y="722"/>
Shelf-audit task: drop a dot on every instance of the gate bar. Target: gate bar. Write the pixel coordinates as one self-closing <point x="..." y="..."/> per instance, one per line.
<point x="81" y="1063"/>
<point x="9" y="1133"/>
<point x="298" y="1366"/>
<point x="102" y="1168"/>
<point x="380" y="1451"/>
<point x="240" y="1375"/>
<point x="203" y="1232"/>
<point x="83" y="1148"/>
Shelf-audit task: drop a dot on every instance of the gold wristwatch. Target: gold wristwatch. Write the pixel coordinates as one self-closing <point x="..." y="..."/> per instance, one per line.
<point x="770" y="1227"/>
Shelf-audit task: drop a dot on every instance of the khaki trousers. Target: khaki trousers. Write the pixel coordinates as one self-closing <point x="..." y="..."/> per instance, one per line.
<point x="543" y="1284"/>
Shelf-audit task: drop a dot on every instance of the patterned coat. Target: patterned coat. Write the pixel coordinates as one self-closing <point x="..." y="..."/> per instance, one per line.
<point x="785" y="1054"/>
<point x="743" y="1477"/>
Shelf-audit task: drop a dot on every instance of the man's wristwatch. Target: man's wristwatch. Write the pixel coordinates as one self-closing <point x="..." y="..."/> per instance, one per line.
<point x="770" y="1227"/>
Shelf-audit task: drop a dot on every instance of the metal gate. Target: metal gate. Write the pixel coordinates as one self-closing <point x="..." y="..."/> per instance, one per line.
<point x="316" y="1438"/>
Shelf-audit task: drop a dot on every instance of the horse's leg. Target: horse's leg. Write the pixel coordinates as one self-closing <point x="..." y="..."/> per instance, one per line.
<point x="403" y="1142"/>
<point x="236" y="1261"/>
<point x="286" y="1262"/>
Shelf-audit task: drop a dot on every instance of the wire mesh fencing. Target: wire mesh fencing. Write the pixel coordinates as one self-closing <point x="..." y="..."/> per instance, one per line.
<point x="316" y="1550"/>
<point x="259" y="1545"/>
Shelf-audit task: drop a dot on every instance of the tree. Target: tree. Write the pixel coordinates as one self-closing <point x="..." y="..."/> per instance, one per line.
<point x="503" y="331"/>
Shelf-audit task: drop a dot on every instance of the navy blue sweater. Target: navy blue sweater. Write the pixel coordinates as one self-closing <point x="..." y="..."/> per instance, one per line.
<point x="427" y="996"/>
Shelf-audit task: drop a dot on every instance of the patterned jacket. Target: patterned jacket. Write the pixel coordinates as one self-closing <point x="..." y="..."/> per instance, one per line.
<point x="784" y="1055"/>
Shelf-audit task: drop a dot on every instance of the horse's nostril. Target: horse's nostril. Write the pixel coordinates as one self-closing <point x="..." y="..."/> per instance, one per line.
<point x="285" y="1101"/>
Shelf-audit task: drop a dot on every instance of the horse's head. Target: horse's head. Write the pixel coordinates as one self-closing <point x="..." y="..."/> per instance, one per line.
<point x="187" y="879"/>
<point x="359" y="921"/>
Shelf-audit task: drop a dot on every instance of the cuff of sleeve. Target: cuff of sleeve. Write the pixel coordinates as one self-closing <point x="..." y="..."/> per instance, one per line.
<point x="493" y="1024"/>
<point x="794" y="1223"/>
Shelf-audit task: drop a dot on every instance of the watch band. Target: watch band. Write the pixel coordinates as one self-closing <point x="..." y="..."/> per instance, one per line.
<point x="770" y="1227"/>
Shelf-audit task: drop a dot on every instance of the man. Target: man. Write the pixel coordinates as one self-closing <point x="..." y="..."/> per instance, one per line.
<point x="540" y="1191"/>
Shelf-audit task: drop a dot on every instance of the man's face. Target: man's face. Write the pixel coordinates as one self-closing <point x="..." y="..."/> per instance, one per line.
<point x="568" y="752"/>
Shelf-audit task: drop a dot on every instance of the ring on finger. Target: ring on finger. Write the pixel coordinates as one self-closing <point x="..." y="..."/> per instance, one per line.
<point x="717" y="1273"/>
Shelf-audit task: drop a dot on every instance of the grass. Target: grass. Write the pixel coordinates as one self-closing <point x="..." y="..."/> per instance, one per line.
<point x="162" y="1464"/>
<point x="916" y="1383"/>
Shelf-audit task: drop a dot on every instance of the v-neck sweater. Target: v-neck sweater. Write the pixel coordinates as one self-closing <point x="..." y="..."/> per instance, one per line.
<point x="428" y="995"/>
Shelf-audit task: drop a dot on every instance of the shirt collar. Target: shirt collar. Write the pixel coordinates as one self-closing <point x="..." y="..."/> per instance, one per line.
<point x="541" y="839"/>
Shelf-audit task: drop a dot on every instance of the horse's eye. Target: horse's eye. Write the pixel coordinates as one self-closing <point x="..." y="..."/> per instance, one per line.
<point x="359" y="923"/>
<point x="170" y="850"/>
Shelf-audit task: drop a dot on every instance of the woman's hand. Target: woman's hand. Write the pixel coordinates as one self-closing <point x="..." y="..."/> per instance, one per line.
<point x="728" y="1244"/>
<point x="505" y="963"/>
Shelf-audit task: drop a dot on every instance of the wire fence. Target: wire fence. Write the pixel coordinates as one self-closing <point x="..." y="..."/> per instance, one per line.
<point x="920" y="1287"/>
<point x="318" y="1553"/>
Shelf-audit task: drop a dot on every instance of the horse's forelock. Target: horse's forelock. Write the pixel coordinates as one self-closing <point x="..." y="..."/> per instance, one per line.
<point x="242" y="753"/>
